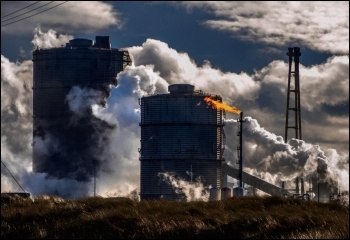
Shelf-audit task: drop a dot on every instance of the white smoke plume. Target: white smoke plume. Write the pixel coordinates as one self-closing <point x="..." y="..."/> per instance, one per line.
<point x="194" y="191"/>
<point x="177" y="67"/>
<point x="16" y="120"/>
<point x="80" y="101"/>
<point x="121" y="164"/>
<point x="267" y="156"/>
<point x="49" y="39"/>
<point x="156" y="66"/>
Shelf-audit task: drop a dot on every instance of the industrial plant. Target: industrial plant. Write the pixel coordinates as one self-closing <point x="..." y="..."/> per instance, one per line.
<point x="73" y="139"/>
<point x="180" y="134"/>
<point x="183" y="135"/>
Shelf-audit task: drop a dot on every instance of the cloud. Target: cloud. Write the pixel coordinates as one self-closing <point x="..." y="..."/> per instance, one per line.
<point x="83" y="16"/>
<point x="321" y="26"/>
<point x="327" y="83"/>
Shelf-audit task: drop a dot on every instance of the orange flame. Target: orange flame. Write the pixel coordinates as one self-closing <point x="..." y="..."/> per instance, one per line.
<point x="220" y="105"/>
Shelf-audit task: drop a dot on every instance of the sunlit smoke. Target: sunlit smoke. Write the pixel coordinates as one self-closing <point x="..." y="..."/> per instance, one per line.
<point x="268" y="157"/>
<point x="220" y="105"/>
<point x="193" y="191"/>
<point x="49" y="39"/>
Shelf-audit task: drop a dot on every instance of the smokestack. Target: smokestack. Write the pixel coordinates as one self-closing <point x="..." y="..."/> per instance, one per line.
<point x="240" y="154"/>
<point x="282" y="185"/>
<point x="302" y="185"/>
<point x="297" y="185"/>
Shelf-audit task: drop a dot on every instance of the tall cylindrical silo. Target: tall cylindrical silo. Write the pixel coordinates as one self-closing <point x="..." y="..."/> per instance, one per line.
<point x="64" y="145"/>
<point x="180" y="135"/>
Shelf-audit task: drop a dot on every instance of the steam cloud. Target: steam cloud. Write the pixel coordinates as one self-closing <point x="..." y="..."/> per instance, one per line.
<point x="195" y="191"/>
<point x="50" y="39"/>
<point x="268" y="157"/>
<point x="156" y="66"/>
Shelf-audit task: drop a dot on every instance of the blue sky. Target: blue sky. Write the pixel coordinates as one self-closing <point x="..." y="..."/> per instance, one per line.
<point x="234" y="49"/>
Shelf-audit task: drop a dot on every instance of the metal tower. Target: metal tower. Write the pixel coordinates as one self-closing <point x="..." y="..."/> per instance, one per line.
<point x="294" y="90"/>
<point x="239" y="153"/>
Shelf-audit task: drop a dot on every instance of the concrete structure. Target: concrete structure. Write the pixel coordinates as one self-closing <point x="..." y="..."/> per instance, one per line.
<point x="66" y="146"/>
<point x="180" y="135"/>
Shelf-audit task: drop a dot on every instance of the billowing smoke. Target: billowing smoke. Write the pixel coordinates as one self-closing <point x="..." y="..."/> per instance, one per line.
<point x="268" y="157"/>
<point x="193" y="191"/>
<point x="80" y="101"/>
<point x="16" y="120"/>
<point x="156" y="66"/>
<point x="122" y="167"/>
<point x="50" y="39"/>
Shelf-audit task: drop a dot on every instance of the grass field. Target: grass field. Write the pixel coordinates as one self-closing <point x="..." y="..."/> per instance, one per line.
<point x="244" y="218"/>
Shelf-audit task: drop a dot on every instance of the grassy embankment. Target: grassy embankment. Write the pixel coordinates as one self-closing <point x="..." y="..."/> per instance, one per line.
<point x="245" y="218"/>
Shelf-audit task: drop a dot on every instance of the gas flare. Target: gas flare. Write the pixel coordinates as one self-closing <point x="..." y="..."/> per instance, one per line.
<point x="220" y="105"/>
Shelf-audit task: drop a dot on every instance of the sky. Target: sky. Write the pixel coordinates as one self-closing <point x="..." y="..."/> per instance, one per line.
<point x="234" y="49"/>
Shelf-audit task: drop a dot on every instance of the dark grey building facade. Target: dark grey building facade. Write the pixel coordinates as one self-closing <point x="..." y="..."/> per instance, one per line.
<point x="73" y="150"/>
<point x="181" y="135"/>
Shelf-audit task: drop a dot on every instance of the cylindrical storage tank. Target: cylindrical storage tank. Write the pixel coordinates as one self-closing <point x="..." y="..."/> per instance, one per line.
<point x="71" y="142"/>
<point x="226" y="192"/>
<point x="214" y="194"/>
<point x="238" y="192"/>
<point x="180" y="135"/>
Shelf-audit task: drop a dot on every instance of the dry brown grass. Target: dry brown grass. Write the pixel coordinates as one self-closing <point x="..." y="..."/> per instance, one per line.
<point x="246" y="218"/>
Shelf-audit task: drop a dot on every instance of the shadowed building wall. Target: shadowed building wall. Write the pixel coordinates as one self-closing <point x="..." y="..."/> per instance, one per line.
<point x="180" y="135"/>
<point x="71" y="142"/>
